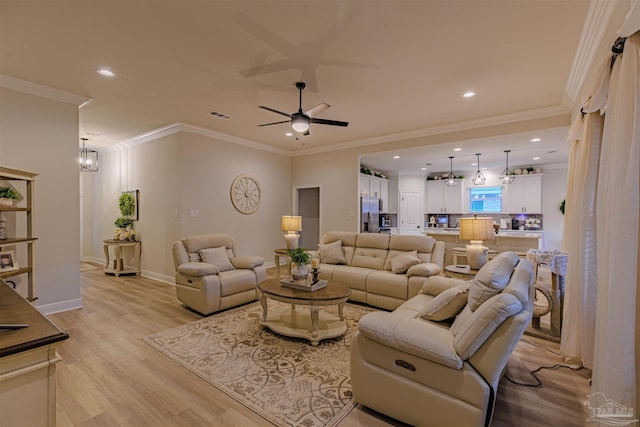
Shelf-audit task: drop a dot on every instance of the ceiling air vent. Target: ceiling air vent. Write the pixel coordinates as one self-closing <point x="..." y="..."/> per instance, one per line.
<point x="220" y="115"/>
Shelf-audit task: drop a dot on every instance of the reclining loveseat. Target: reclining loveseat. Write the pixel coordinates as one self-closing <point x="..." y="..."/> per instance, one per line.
<point x="419" y="365"/>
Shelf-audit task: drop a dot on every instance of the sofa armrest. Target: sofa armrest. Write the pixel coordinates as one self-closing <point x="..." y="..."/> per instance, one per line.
<point x="435" y="285"/>
<point x="247" y="262"/>
<point x="415" y="336"/>
<point x="198" y="269"/>
<point x="426" y="269"/>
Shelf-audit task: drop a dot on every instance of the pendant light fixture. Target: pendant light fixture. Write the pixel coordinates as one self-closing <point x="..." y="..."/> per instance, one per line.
<point x="88" y="158"/>
<point x="507" y="176"/>
<point x="478" y="178"/>
<point x="451" y="180"/>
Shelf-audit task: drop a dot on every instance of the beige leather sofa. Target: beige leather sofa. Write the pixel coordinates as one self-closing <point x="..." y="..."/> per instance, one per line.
<point x="411" y="365"/>
<point x="211" y="277"/>
<point x="381" y="270"/>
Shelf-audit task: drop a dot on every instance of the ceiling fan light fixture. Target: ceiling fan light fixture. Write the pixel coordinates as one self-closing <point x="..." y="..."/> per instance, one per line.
<point x="300" y="123"/>
<point x="478" y="178"/>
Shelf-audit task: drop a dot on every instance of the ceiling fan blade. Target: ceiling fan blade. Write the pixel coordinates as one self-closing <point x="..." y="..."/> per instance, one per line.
<point x="275" y="123"/>
<point x="328" y="122"/>
<point x="317" y="109"/>
<point x="274" y="111"/>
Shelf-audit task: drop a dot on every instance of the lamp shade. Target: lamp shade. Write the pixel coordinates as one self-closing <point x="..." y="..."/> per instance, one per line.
<point x="291" y="223"/>
<point x="477" y="228"/>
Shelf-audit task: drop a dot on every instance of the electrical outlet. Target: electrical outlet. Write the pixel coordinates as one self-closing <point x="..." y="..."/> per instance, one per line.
<point x="194" y="213"/>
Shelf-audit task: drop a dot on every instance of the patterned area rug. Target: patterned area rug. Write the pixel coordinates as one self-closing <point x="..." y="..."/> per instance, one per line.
<point x="285" y="380"/>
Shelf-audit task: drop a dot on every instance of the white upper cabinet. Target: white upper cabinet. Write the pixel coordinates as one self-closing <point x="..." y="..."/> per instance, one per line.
<point x="374" y="186"/>
<point x="523" y="195"/>
<point x="384" y="195"/>
<point x="444" y="199"/>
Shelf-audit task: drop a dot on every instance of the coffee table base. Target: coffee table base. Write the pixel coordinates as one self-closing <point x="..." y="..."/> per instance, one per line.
<point x="296" y="322"/>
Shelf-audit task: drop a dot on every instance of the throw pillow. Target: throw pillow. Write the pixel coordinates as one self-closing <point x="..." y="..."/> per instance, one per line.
<point x="331" y="253"/>
<point x="447" y="304"/>
<point x="401" y="263"/>
<point x="216" y="256"/>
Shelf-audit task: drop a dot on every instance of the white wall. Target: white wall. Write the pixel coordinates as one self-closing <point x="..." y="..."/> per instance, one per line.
<point x="185" y="172"/>
<point x="554" y="189"/>
<point x="40" y="135"/>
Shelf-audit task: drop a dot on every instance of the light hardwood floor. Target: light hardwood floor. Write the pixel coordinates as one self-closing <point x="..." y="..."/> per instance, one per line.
<point x="109" y="377"/>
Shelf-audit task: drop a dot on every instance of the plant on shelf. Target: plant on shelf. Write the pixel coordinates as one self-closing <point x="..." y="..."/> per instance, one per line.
<point x="562" y="206"/>
<point x="299" y="258"/>
<point x="127" y="204"/>
<point x="7" y="195"/>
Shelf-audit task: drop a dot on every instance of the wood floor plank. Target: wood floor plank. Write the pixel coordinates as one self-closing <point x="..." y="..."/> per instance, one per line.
<point x="109" y="377"/>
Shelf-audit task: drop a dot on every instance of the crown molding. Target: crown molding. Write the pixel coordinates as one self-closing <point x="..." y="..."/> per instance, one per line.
<point x="183" y="127"/>
<point x="540" y="113"/>
<point x="42" y="91"/>
<point x="595" y="24"/>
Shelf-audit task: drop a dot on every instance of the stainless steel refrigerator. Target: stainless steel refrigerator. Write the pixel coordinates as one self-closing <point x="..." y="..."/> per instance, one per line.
<point x="369" y="214"/>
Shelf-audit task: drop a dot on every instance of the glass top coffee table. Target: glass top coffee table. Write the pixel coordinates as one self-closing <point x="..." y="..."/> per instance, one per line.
<point x="301" y="322"/>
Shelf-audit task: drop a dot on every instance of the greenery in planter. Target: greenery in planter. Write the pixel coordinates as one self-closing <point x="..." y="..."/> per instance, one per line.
<point x="123" y="222"/>
<point x="365" y="170"/>
<point x="8" y="193"/>
<point x="562" y="207"/>
<point x="300" y="256"/>
<point x="127" y="204"/>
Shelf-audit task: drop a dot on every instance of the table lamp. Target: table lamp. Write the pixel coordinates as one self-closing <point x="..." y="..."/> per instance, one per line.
<point x="476" y="230"/>
<point x="291" y="224"/>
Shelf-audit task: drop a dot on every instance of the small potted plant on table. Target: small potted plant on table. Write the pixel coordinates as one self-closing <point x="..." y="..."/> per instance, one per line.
<point x="299" y="258"/>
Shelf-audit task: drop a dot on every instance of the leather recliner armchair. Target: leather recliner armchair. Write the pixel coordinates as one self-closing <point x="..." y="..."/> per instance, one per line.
<point x="210" y="276"/>
<point x="416" y="366"/>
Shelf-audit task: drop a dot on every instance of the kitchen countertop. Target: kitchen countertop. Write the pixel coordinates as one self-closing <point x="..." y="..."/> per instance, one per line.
<point x="501" y="233"/>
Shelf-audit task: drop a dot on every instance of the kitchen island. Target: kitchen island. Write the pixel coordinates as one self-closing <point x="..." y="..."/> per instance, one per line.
<point x="506" y="240"/>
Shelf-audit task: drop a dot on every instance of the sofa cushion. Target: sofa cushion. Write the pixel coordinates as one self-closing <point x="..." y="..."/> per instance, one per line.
<point x="216" y="256"/>
<point x="447" y="304"/>
<point x="492" y="278"/>
<point x="331" y="253"/>
<point x="202" y="241"/>
<point x="247" y="262"/>
<point x="401" y="263"/>
<point x="369" y="258"/>
<point x="194" y="257"/>
<point x="197" y="269"/>
<point x="483" y="322"/>
<point x="425" y="269"/>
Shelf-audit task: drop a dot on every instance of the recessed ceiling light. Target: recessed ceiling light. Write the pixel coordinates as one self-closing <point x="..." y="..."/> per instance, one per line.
<point x="536" y="158"/>
<point x="396" y="157"/>
<point x="536" y="139"/>
<point x="457" y="149"/>
<point x="289" y="134"/>
<point x="469" y="94"/>
<point x="423" y="169"/>
<point x="474" y="164"/>
<point x="105" y="72"/>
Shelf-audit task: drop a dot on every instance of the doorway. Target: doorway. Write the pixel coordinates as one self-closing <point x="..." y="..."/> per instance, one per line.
<point x="309" y="210"/>
<point x="410" y="212"/>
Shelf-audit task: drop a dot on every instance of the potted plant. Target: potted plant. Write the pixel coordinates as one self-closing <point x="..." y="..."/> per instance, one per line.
<point x="7" y="196"/>
<point x="299" y="258"/>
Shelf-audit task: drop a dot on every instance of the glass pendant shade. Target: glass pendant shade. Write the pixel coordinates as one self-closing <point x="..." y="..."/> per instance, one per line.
<point x="451" y="179"/>
<point x="478" y="178"/>
<point x="507" y="176"/>
<point x="88" y="158"/>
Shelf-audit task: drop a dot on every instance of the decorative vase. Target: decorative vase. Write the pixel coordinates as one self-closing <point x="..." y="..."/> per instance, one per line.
<point x="299" y="272"/>
<point x="6" y="202"/>
<point x="3" y="229"/>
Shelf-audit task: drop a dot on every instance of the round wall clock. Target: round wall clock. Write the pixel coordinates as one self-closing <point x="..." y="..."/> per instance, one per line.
<point x="245" y="194"/>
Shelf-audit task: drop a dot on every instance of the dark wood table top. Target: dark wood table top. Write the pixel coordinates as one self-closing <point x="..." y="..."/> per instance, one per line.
<point x="15" y="309"/>
<point x="333" y="290"/>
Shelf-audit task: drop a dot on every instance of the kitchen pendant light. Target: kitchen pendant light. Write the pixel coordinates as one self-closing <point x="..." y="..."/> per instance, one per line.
<point x="478" y="178"/>
<point x="451" y="180"/>
<point x="507" y="176"/>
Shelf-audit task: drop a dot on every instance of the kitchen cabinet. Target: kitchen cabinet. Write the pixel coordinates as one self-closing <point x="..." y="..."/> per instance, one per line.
<point x="374" y="186"/>
<point x="444" y="199"/>
<point x="25" y="182"/>
<point x="523" y="195"/>
<point x="384" y="195"/>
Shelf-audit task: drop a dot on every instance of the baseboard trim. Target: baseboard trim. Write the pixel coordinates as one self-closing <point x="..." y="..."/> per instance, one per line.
<point x="170" y="280"/>
<point x="58" y="307"/>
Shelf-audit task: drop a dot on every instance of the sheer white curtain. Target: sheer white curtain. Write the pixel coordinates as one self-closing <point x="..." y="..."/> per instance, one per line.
<point x="615" y="363"/>
<point x="579" y="239"/>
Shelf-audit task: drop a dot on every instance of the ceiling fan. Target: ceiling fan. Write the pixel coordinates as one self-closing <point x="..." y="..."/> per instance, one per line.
<point x="300" y="121"/>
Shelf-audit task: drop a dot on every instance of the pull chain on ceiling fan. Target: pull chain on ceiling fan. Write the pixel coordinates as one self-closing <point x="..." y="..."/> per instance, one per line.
<point x="300" y="121"/>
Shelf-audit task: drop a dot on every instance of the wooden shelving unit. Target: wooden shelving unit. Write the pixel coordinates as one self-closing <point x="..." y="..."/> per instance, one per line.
<point x="7" y="174"/>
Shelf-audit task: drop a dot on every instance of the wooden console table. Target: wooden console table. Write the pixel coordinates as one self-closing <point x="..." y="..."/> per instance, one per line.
<point x="118" y="267"/>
